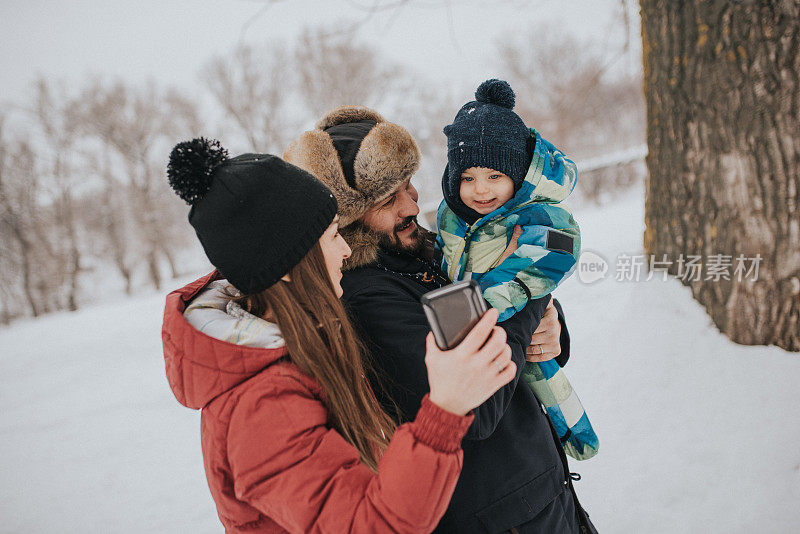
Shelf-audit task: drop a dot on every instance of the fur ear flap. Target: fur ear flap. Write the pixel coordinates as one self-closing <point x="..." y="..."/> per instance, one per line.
<point x="347" y="114"/>
<point x="364" y="244"/>
<point x="387" y="157"/>
<point x="314" y="152"/>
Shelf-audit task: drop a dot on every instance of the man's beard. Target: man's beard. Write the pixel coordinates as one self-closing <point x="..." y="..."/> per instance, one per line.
<point x="393" y="243"/>
<point x="421" y="243"/>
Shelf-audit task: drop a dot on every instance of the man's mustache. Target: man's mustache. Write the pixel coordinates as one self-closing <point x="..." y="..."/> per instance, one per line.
<point x="404" y="223"/>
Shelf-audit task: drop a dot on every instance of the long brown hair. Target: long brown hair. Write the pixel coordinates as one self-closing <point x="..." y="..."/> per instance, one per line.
<point x="323" y="343"/>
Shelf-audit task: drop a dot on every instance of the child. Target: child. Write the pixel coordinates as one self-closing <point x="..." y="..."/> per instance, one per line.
<point x="501" y="175"/>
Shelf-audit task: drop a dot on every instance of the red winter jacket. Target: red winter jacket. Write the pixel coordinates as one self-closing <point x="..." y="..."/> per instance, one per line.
<point x="272" y="462"/>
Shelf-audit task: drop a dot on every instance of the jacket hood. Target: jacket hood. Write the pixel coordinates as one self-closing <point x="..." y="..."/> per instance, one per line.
<point x="200" y="366"/>
<point x="551" y="177"/>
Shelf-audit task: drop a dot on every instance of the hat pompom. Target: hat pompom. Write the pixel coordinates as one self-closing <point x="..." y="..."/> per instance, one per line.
<point x="191" y="165"/>
<point x="496" y="91"/>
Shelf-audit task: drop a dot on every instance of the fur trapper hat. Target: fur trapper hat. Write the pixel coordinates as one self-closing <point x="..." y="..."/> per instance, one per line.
<point x="362" y="158"/>
<point x="386" y="157"/>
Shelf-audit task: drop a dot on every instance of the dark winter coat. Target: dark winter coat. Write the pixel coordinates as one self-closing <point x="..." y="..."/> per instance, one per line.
<point x="273" y="462"/>
<point x="515" y="472"/>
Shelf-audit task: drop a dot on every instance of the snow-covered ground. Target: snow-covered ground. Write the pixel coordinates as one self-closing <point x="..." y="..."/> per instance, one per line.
<point x="697" y="434"/>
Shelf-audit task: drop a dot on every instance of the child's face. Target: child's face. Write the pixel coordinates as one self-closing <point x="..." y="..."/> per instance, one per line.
<point x="485" y="190"/>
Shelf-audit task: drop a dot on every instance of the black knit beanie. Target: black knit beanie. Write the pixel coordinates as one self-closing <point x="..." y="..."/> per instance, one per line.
<point x="255" y="215"/>
<point x="485" y="133"/>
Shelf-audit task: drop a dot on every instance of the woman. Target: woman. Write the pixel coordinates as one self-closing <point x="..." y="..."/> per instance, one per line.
<point x="293" y="439"/>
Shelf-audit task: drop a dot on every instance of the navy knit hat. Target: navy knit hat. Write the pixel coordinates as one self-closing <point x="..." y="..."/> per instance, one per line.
<point x="256" y="215"/>
<point x="485" y="133"/>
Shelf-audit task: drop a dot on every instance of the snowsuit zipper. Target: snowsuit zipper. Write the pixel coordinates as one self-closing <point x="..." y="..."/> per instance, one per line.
<point x="463" y="248"/>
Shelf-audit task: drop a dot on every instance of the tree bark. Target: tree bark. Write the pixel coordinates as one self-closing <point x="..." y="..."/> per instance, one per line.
<point x="27" y="268"/>
<point x="12" y="218"/>
<point x="72" y="255"/>
<point x="722" y="85"/>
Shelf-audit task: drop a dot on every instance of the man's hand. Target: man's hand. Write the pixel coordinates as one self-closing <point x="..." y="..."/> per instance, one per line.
<point x="545" y="344"/>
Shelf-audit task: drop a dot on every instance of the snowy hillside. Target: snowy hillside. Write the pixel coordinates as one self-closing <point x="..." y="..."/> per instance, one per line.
<point x="697" y="434"/>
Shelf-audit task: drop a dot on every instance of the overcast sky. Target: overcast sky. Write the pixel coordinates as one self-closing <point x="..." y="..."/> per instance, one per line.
<point x="169" y="40"/>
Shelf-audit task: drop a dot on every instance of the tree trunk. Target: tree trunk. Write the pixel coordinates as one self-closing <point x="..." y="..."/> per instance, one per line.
<point x="27" y="283"/>
<point x="73" y="253"/>
<point x="173" y="265"/>
<point x="722" y="85"/>
<point x="5" y="314"/>
<point x="144" y="218"/>
<point x="25" y="249"/>
<point x="152" y="269"/>
<point x="117" y="240"/>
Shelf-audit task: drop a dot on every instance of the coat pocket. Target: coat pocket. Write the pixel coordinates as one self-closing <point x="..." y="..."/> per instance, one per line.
<point x="522" y="504"/>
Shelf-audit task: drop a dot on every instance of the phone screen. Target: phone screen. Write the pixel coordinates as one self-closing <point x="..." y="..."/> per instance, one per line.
<point x="452" y="311"/>
<point x="456" y="315"/>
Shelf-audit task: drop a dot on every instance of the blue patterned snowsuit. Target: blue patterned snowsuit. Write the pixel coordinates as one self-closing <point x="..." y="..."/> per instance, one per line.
<point x="547" y="252"/>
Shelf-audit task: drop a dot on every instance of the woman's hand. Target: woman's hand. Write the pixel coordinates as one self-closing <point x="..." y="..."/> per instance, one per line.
<point x="463" y="378"/>
<point x="546" y="341"/>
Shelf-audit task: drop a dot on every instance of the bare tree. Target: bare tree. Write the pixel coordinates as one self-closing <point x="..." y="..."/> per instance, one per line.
<point x="19" y="189"/>
<point x="137" y="126"/>
<point x="109" y="218"/>
<point x="335" y="71"/>
<point x="424" y="113"/>
<point x="572" y="95"/>
<point x="722" y="83"/>
<point x="59" y="135"/>
<point x="253" y="86"/>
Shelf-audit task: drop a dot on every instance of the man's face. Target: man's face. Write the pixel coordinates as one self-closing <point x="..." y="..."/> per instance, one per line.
<point x="395" y="218"/>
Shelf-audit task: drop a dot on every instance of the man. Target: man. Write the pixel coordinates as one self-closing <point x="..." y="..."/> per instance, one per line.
<point x="515" y="476"/>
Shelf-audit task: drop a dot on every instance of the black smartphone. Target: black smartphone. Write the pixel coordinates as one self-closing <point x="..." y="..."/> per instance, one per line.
<point x="452" y="311"/>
